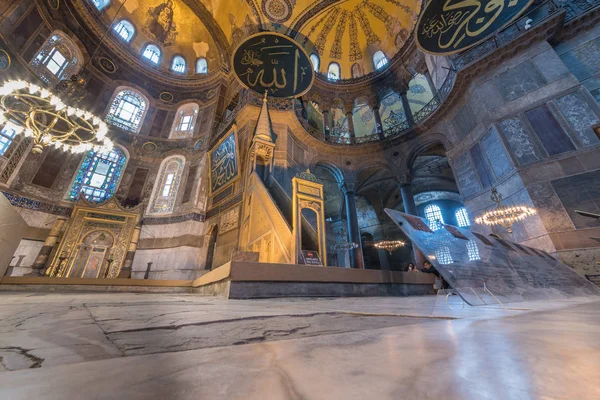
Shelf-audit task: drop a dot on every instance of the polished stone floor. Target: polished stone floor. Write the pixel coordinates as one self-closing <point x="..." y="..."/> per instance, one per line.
<point x="143" y="346"/>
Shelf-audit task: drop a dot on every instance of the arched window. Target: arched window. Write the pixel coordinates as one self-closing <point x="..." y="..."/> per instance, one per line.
<point x="98" y="175"/>
<point x="443" y="255"/>
<point x="167" y="185"/>
<point x="185" y="120"/>
<point x="152" y="53"/>
<point x="100" y="4"/>
<point x="314" y="59"/>
<point x="178" y="64"/>
<point x="127" y="109"/>
<point x="7" y="135"/>
<point x="57" y="59"/>
<point x="201" y="66"/>
<point x="434" y="216"/>
<point x="379" y="60"/>
<point x="357" y="70"/>
<point x="473" y="251"/>
<point x="333" y="72"/>
<point x="125" y="30"/>
<point x="462" y="217"/>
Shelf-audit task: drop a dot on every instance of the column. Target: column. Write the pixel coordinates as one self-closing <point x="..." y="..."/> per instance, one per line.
<point x="340" y="236"/>
<point x="356" y="255"/>
<point x="40" y="261"/>
<point x="378" y="123"/>
<point x="384" y="256"/>
<point x="431" y="84"/>
<point x="135" y="238"/>
<point x="410" y="208"/>
<point x="350" y="125"/>
<point x="407" y="110"/>
<point x="326" y="122"/>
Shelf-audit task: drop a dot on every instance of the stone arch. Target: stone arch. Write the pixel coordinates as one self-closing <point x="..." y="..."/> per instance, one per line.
<point x="421" y="145"/>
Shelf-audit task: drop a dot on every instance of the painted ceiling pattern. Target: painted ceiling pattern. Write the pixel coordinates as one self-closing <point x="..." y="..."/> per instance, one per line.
<point x="342" y="31"/>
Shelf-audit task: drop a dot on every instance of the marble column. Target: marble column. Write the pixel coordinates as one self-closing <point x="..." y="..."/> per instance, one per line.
<point x="407" y="111"/>
<point x="411" y="208"/>
<point x="40" y="261"/>
<point x="350" y="124"/>
<point x="384" y="259"/>
<point x="340" y="235"/>
<point x="378" y="123"/>
<point x="431" y="83"/>
<point x="326" y="122"/>
<point x="135" y="238"/>
<point x="356" y="255"/>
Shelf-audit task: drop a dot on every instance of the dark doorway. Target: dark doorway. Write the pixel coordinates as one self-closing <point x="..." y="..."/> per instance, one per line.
<point x="212" y="241"/>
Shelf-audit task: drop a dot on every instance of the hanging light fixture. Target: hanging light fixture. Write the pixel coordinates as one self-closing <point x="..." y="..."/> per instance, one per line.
<point x="504" y="216"/>
<point x="389" y="245"/>
<point x="52" y="119"/>
<point x="38" y="113"/>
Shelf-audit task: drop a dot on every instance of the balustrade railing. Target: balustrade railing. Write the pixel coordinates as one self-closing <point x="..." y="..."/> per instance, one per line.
<point x="539" y="13"/>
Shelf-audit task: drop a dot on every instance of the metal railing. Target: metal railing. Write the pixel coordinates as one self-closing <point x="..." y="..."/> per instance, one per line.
<point x="538" y="14"/>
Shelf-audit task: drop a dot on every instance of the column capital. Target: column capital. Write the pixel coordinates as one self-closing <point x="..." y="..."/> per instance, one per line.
<point x="348" y="188"/>
<point x="404" y="179"/>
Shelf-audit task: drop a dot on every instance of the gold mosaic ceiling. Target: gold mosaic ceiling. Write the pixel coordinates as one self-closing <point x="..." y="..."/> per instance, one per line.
<point x="344" y="31"/>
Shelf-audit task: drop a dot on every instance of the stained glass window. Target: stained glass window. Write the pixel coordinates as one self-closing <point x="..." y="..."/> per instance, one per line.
<point x="167" y="185"/>
<point x="201" y="66"/>
<point x="433" y="213"/>
<point x="379" y="60"/>
<point x="127" y="110"/>
<point x="443" y="255"/>
<point x="152" y="53"/>
<point x="100" y="4"/>
<point x="314" y="59"/>
<point x="185" y="120"/>
<point x="333" y="73"/>
<point x="125" y="30"/>
<point x="57" y="59"/>
<point x="7" y="134"/>
<point x="462" y="217"/>
<point x="178" y="64"/>
<point x="98" y="175"/>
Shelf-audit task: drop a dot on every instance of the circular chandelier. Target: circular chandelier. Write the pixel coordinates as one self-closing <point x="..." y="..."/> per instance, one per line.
<point x="345" y="246"/>
<point x="40" y="114"/>
<point x="504" y="216"/>
<point x="389" y="245"/>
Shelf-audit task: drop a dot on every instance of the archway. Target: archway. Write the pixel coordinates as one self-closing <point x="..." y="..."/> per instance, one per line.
<point x="212" y="241"/>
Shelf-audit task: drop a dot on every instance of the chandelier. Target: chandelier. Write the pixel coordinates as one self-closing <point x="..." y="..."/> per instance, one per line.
<point x="389" y="245"/>
<point x="504" y="216"/>
<point x="40" y="114"/>
<point x="345" y="246"/>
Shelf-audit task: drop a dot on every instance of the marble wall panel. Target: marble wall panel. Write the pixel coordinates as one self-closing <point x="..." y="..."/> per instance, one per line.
<point x="547" y="128"/>
<point x="580" y="192"/>
<point x="496" y="154"/>
<point x="583" y="61"/>
<point x="520" y="142"/>
<point x="550" y="208"/>
<point x="12" y="229"/>
<point x="580" y="115"/>
<point x="583" y="261"/>
<point x="481" y="166"/>
<point x="518" y="81"/>
<point x="176" y="263"/>
<point x="465" y="121"/>
<point x="465" y="174"/>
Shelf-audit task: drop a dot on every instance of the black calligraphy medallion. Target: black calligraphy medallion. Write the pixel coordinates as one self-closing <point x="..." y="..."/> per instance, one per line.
<point x="451" y="26"/>
<point x="275" y="63"/>
<point x="223" y="160"/>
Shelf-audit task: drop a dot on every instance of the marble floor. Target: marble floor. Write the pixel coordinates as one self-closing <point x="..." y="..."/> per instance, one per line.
<point x="161" y="346"/>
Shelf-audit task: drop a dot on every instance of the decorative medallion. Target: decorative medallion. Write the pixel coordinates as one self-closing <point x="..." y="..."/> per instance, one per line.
<point x="4" y="60"/>
<point x="54" y="4"/>
<point x="198" y="144"/>
<point x="278" y="11"/>
<point x="107" y="65"/>
<point x="274" y="63"/>
<point x="166" y="97"/>
<point x="211" y="93"/>
<point x="148" y="148"/>
<point x="448" y="27"/>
